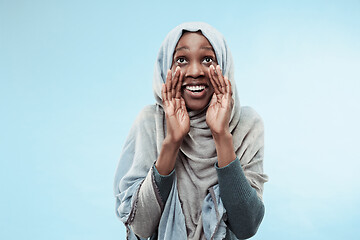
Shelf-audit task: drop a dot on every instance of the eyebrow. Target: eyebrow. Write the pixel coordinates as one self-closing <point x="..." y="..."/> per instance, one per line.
<point x="181" y="48"/>
<point x="208" y="48"/>
<point x="186" y="48"/>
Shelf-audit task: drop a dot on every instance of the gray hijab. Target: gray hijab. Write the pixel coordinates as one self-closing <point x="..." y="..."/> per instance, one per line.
<point x="195" y="163"/>
<point x="191" y="212"/>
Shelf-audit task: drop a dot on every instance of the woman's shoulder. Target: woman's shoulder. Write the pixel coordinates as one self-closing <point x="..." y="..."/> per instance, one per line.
<point x="148" y="114"/>
<point x="249" y="116"/>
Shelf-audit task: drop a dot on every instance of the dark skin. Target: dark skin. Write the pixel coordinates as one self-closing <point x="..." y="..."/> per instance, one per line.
<point x="193" y="81"/>
<point x="194" y="55"/>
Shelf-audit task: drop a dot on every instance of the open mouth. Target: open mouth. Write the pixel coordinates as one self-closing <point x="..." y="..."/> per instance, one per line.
<point x="195" y="89"/>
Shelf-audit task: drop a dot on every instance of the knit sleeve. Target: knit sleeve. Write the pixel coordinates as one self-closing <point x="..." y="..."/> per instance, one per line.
<point x="245" y="210"/>
<point x="163" y="184"/>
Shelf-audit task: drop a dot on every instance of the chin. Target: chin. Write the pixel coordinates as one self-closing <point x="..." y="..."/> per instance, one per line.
<point x="196" y="106"/>
<point x="196" y="103"/>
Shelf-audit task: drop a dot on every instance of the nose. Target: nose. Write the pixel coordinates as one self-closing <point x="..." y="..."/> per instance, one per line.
<point x="194" y="70"/>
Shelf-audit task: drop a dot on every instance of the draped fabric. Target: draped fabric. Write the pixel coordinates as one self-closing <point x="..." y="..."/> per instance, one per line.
<point x="190" y="212"/>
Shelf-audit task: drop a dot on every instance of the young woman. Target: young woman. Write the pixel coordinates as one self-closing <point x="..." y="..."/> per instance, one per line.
<point x="192" y="165"/>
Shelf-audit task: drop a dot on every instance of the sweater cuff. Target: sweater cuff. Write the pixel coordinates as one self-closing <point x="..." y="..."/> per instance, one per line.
<point x="164" y="183"/>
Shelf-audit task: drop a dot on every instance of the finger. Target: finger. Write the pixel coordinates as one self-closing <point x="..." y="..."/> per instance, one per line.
<point x="163" y="93"/>
<point x="229" y="101"/>
<point x="228" y="85"/>
<point x="179" y="85"/>
<point x="228" y="95"/>
<point x="212" y="81"/>
<point x="213" y="100"/>
<point x="221" y="79"/>
<point x="175" y="81"/>
<point x="168" y="76"/>
<point x="214" y="76"/>
<point x="216" y="79"/>
<point x="168" y="85"/>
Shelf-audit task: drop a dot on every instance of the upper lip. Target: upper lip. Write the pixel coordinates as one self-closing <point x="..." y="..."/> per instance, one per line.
<point x="195" y="83"/>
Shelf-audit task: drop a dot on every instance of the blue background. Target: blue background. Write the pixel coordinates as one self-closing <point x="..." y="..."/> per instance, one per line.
<point x="74" y="75"/>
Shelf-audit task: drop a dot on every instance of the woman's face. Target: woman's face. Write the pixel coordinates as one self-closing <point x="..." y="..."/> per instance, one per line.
<point x="194" y="55"/>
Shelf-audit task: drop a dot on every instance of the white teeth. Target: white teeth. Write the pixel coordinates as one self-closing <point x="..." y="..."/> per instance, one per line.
<point x="195" y="88"/>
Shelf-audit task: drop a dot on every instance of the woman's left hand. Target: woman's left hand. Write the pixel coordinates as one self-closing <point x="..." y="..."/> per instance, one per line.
<point x="219" y="110"/>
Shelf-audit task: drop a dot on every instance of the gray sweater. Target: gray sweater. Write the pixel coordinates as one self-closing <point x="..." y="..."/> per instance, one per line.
<point x="244" y="209"/>
<point x="140" y="206"/>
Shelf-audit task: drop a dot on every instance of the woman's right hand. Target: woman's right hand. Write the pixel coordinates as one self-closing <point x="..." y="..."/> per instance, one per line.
<point x="176" y="115"/>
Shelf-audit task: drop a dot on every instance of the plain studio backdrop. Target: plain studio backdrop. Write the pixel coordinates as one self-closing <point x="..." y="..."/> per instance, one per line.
<point x="75" y="74"/>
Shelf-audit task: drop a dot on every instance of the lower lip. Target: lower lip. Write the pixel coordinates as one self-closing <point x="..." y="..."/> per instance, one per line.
<point x="195" y="94"/>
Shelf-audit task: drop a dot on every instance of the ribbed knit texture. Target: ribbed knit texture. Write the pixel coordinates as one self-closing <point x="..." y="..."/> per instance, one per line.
<point x="244" y="208"/>
<point x="236" y="193"/>
<point x="163" y="183"/>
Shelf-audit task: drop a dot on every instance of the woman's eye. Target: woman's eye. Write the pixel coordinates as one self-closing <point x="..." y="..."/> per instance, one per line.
<point x="208" y="60"/>
<point x="181" y="60"/>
